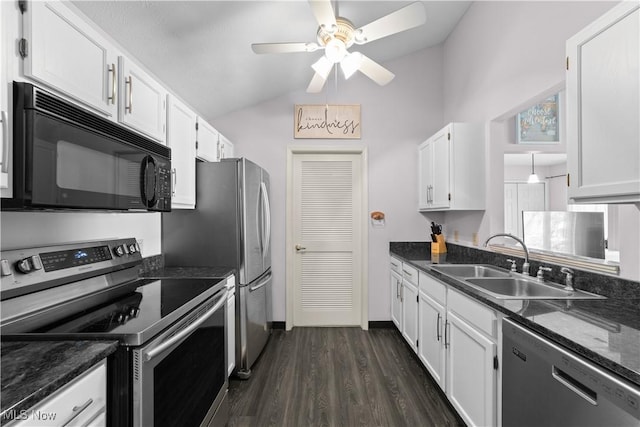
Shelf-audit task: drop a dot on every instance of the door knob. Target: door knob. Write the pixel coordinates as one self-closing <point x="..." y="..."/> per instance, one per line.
<point x="300" y="248"/>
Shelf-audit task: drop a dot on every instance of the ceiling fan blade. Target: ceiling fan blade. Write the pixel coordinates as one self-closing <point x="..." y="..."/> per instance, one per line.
<point x="316" y="84"/>
<point x="403" y="19"/>
<point x="323" y="11"/>
<point x="284" y="47"/>
<point x="322" y="67"/>
<point x="375" y="71"/>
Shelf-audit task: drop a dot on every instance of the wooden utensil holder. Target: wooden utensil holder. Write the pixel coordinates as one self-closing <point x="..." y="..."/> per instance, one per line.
<point x="438" y="247"/>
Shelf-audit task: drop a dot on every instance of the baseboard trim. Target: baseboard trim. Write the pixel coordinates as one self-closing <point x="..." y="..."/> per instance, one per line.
<point x="279" y="325"/>
<point x="381" y="324"/>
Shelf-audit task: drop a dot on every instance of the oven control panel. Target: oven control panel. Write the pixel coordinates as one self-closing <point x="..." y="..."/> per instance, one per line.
<point x="26" y="270"/>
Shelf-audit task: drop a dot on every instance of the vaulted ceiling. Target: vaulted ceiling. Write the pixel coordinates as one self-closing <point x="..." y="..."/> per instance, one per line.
<point x="202" y="49"/>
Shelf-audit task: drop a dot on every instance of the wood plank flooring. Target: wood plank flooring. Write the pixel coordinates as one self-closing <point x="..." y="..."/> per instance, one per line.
<point x="338" y="377"/>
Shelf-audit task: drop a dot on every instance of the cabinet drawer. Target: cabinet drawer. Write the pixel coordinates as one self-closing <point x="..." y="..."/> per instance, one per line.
<point x="434" y="288"/>
<point x="396" y="265"/>
<point x="478" y="315"/>
<point x="84" y="396"/>
<point x="410" y="273"/>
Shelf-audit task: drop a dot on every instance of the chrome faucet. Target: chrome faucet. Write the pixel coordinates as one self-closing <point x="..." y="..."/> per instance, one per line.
<point x="525" y="266"/>
<point x="568" y="281"/>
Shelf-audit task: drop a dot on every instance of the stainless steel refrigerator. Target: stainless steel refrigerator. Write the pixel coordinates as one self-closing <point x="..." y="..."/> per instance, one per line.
<point x="231" y="226"/>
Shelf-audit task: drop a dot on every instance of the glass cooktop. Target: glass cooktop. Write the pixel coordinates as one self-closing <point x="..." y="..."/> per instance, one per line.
<point x="135" y="318"/>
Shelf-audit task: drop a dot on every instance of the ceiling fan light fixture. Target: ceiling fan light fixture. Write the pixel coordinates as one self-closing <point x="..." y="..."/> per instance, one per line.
<point x="335" y="50"/>
<point x="323" y="66"/>
<point x="351" y="63"/>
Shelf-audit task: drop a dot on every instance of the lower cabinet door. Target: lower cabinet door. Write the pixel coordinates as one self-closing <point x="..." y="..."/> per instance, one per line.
<point x="396" y="302"/>
<point x="471" y="377"/>
<point x="432" y="353"/>
<point x="410" y="314"/>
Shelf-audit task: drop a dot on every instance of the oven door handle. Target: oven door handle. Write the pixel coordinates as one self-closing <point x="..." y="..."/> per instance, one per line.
<point x="186" y="331"/>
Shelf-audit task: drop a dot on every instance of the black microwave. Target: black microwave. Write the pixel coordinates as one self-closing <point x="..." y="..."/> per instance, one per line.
<point x="65" y="157"/>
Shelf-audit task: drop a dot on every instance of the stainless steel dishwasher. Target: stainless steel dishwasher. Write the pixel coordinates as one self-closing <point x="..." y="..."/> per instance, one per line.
<point x="544" y="384"/>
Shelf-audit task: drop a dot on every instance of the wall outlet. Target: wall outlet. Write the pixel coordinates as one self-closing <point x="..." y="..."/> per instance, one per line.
<point x="456" y="236"/>
<point x="475" y="239"/>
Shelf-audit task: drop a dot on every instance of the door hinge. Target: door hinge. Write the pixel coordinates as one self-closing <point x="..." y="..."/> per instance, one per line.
<point x="417" y="341"/>
<point x="568" y="180"/>
<point x="196" y="125"/>
<point x="23" y="47"/>
<point x="417" y="299"/>
<point x="495" y="362"/>
<point x="567" y="63"/>
<point x="22" y="4"/>
<point x="448" y="136"/>
<point x="196" y="145"/>
<point x="449" y="196"/>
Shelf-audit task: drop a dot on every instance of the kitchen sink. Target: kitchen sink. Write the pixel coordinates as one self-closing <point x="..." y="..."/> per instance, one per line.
<point x="470" y="270"/>
<point x="521" y="288"/>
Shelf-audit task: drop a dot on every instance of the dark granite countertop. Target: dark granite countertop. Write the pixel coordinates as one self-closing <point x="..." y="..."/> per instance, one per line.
<point x="32" y="370"/>
<point x="606" y="332"/>
<point x="190" y="272"/>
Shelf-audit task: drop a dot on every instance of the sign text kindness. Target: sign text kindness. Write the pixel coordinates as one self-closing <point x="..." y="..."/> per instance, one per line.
<point x="327" y="121"/>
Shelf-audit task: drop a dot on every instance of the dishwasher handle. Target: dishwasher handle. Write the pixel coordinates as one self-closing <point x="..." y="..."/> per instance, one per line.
<point x="574" y="385"/>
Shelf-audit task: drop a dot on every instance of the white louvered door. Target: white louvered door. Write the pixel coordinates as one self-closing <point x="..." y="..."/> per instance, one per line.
<point x="327" y="235"/>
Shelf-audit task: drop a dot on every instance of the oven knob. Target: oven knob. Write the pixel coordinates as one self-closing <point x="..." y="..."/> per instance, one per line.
<point x="27" y="265"/>
<point x="119" y="250"/>
<point x="120" y="318"/>
<point x="132" y="248"/>
<point x="133" y="312"/>
<point x="6" y="268"/>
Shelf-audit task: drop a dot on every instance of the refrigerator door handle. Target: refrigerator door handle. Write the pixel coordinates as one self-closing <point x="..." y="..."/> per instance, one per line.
<point x="261" y="284"/>
<point x="267" y="212"/>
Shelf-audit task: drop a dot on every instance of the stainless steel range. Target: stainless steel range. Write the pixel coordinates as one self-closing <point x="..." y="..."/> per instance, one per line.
<point x="170" y="368"/>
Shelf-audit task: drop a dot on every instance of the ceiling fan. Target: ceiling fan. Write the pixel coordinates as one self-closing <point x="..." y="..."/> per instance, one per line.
<point x="337" y="34"/>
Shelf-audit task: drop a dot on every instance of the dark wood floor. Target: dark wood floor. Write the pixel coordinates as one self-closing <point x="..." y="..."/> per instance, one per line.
<point x="337" y="377"/>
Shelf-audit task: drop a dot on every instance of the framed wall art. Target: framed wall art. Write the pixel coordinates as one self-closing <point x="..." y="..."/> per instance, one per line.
<point x="539" y="124"/>
<point x="326" y="121"/>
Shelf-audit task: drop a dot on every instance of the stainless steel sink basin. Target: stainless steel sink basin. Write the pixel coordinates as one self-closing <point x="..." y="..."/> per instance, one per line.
<point x="520" y="288"/>
<point x="470" y="270"/>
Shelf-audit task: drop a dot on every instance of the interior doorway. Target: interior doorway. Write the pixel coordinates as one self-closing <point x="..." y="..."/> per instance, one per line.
<point x="326" y="237"/>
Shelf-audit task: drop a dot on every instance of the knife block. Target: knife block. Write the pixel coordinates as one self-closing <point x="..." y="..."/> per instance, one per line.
<point x="438" y="247"/>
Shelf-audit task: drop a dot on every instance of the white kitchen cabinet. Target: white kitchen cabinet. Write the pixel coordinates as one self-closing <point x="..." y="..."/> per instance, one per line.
<point x="410" y="312"/>
<point x="82" y="402"/>
<point x="471" y="370"/>
<point x="207" y="147"/>
<point x="451" y="169"/>
<point x="225" y="148"/>
<point x="396" y="292"/>
<point x="4" y="97"/>
<point x="431" y="322"/>
<point x="181" y="138"/>
<point x="62" y="51"/>
<point x="143" y="100"/>
<point x="603" y="106"/>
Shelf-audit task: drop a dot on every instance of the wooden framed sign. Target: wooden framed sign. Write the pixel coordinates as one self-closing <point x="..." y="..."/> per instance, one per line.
<point x="326" y="121"/>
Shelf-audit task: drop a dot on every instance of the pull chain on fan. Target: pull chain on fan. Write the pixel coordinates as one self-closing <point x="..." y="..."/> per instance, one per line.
<point x="336" y="35"/>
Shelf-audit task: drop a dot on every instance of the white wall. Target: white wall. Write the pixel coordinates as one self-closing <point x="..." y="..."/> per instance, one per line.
<point x="395" y="119"/>
<point x="26" y="229"/>
<point x="500" y="56"/>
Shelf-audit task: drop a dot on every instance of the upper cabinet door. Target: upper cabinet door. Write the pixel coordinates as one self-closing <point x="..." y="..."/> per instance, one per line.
<point x="603" y="106"/>
<point x="142" y="101"/>
<point x="65" y="53"/>
<point x="207" y="141"/>
<point x="441" y="165"/>
<point x="182" y="140"/>
<point x="4" y="102"/>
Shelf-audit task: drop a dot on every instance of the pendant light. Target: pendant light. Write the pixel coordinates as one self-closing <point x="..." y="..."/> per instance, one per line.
<point x="533" y="178"/>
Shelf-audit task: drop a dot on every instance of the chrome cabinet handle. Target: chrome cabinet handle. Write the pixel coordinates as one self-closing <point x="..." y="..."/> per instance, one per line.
<point x="129" y="81"/>
<point x="446" y="335"/>
<point x="77" y="410"/>
<point x="401" y="293"/>
<point x="188" y="330"/>
<point x="112" y="70"/>
<point x="5" y="141"/>
<point x="438" y="336"/>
